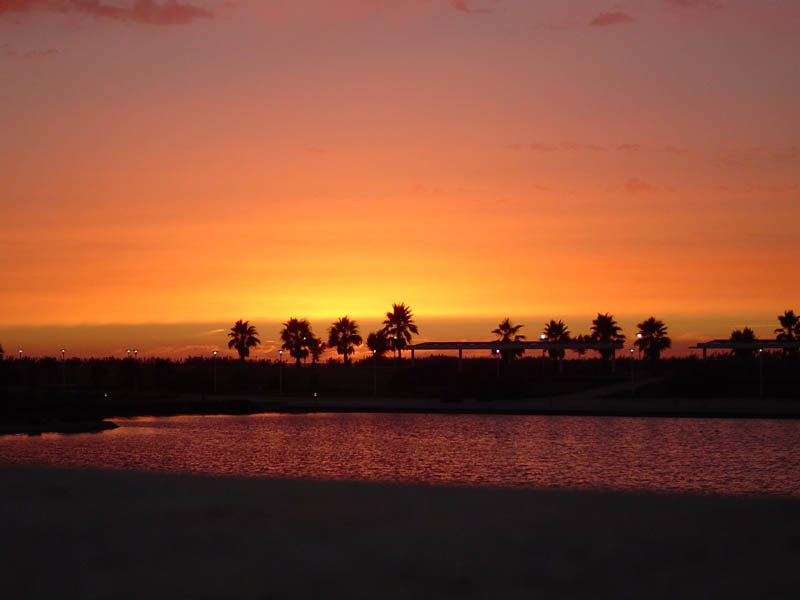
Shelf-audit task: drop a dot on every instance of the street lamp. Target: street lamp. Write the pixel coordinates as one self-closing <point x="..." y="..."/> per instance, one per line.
<point x="63" y="351"/>
<point x="633" y="384"/>
<point x="214" y="362"/>
<point x="129" y="353"/>
<point x="135" y="353"/>
<point x="639" y="337"/>
<point x="543" y="338"/>
<point x="497" y="354"/>
<point x="374" y="373"/>
<point x="280" y="372"/>
<point x="19" y="353"/>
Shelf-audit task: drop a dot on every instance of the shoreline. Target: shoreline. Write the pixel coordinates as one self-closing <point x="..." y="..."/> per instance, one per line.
<point x="257" y="404"/>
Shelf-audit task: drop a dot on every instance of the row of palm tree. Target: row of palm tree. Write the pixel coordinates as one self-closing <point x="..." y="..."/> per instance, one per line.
<point x="789" y="331"/>
<point x="300" y="341"/>
<point x="652" y="338"/>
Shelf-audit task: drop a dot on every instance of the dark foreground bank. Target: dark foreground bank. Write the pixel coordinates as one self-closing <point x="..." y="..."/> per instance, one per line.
<point x="72" y="534"/>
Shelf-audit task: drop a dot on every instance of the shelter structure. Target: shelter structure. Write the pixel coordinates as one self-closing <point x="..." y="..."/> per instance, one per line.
<point x="755" y="345"/>
<point x="496" y="346"/>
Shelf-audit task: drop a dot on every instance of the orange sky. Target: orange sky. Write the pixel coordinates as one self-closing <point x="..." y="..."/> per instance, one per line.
<point x="474" y="160"/>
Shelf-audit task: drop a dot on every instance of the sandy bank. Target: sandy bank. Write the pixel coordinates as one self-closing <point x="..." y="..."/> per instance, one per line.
<point x="129" y="535"/>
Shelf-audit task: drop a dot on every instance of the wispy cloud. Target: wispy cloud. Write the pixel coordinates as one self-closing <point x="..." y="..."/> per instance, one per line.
<point x="611" y="18"/>
<point x="6" y="50"/>
<point x="468" y="7"/>
<point x="695" y="3"/>
<point x="637" y="186"/>
<point x="150" y="12"/>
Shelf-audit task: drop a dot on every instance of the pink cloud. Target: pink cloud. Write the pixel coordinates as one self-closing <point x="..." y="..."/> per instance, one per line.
<point x="467" y="7"/>
<point x="611" y="18"/>
<point x="695" y="3"/>
<point x="637" y="186"/>
<point x="168" y="12"/>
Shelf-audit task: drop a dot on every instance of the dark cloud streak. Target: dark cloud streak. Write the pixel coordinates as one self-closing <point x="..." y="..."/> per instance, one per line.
<point x="168" y="12"/>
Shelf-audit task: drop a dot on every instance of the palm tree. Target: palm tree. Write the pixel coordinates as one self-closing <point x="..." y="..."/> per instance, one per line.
<point x="398" y="327"/>
<point x="789" y="330"/>
<point x="582" y="339"/>
<point x="556" y="331"/>
<point x="316" y="347"/>
<point x="508" y="332"/>
<point x="743" y="336"/>
<point x="296" y="336"/>
<point x="654" y="338"/>
<point x="604" y="331"/>
<point x="1" y="351"/>
<point x="378" y="343"/>
<point x="343" y="335"/>
<point x="243" y="337"/>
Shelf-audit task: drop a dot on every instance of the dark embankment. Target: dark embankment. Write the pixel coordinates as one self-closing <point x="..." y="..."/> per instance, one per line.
<point x="72" y="534"/>
<point x="35" y="391"/>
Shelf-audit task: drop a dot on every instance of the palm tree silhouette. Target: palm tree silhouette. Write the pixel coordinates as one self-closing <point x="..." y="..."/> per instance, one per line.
<point x="1" y="351"/>
<point x="378" y="343"/>
<point x="343" y="335"/>
<point x="604" y="331"/>
<point x="508" y="332"/>
<point x="556" y="331"/>
<point x="582" y="339"/>
<point x="243" y="337"/>
<point x="297" y="338"/>
<point x="398" y="327"/>
<point x="743" y="336"/>
<point x="316" y="347"/>
<point x="654" y="338"/>
<point x="789" y="331"/>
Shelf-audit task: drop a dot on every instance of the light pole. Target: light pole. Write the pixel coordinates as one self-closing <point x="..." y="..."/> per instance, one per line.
<point x="19" y="353"/>
<point x="761" y="373"/>
<point x="543" y="338"/>
<point x="280" y="372"/>
<point x="639" y="338"/>
<point x="497" y="354"/>
<point x="135" y="353"/>
<point x="633" y="384"/>
<point x="63" y="351"/>
<point x="214" y="368"/>
<point x="374" y="373"/>
<point x="128" y="352"/>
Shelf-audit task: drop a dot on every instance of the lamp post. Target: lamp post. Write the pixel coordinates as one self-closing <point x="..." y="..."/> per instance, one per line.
<point x="19" y="353"/>
<point x="497" y="354"/>
<point x="280" y="372"/>
<point x="639" y="338"/>
<point x="135" y="353"/>
<point x="761" y="373"/>
<point x="214" y="368"/>
<point x="374" y="373"/>
<point x="63" y="351"/>
<point x="543" y="338"/>
<point x="128" y="352"/>
<point x="633" y="384"/>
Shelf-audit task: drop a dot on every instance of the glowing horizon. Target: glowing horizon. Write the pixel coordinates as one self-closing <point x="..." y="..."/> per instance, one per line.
<point x="202" y="162"/>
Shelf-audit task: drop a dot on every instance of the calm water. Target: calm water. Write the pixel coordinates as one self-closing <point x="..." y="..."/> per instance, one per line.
<point x="695" y="455"/>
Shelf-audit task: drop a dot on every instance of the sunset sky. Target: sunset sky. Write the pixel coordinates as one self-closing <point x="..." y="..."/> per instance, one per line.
<point x="167" y="168"/>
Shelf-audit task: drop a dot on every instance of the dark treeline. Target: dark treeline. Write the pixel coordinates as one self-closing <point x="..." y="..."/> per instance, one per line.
<point x="74" y="388"/>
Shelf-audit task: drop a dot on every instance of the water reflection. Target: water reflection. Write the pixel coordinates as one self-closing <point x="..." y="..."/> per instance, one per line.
<point x="697" y="455"/>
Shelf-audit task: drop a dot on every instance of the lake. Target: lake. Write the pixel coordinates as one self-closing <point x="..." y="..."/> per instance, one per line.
<point x="721" y="456"/>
